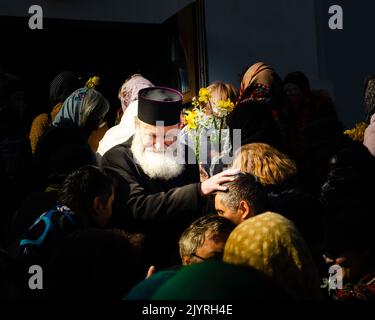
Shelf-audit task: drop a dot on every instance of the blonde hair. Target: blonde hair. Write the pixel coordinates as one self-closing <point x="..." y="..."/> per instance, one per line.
<point x="222" y="91"/>
<point x="268" y="164"/>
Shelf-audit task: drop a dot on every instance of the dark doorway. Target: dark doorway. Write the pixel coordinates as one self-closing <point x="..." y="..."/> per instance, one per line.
<point x="112" y="51"/>
<point x="168" y="54"/>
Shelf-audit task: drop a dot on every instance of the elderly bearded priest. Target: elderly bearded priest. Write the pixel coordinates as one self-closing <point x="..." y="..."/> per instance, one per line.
<point x="156" y="194"/>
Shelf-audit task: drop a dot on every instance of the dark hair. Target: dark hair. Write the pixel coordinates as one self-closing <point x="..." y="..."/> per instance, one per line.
<point x="245" y="187"/>
<point x="299" y="79"/>
<point x="62" y="85"/>
<point x="193" y="237"/>
<point x="82" y="186"/>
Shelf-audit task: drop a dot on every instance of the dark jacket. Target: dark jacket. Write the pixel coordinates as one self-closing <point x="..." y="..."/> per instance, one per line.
<point x="158" y="208"/>
<point x="301" y="208"/>
<point x="347" y="198"/>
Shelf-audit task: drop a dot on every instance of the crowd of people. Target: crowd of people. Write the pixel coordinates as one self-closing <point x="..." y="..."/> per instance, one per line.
<point x="126" y="212"/>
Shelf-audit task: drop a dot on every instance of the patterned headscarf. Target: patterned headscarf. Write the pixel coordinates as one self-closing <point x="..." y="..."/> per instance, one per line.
<point x="257" y="73"/>
<point x="129" y="90"/>
<point x="261" y="83"/>
<point x="272" y="245"/>
<point x="82" y="105"/>
<point x="369" y="98"/>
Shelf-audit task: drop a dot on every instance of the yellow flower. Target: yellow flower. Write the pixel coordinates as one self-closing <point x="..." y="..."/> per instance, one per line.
<point x="357" y="133"/>
<point x="194" y="102"/>
<point x="204" y="95"/>
<point x="92" y="82"/>
<point x="190" y="119"/>
<point x="204" y="92"/>
<point x="225" y="105"/>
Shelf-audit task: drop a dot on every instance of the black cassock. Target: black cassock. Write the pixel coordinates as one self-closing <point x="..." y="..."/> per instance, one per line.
<point x="160" y="209"/>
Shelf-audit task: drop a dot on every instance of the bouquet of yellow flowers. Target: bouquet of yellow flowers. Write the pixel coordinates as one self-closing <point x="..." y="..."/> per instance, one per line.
<point x="206" y="120"/>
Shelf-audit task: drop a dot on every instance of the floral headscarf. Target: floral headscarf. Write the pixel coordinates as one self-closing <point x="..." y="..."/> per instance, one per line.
<point x="129" y="90"/>
<point x="272" y="245"/>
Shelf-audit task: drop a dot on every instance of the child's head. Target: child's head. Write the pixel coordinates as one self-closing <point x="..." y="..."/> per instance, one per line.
<point x="89" y="192"/>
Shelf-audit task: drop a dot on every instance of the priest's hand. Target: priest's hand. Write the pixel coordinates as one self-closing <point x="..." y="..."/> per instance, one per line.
<point x="214" y="183"/>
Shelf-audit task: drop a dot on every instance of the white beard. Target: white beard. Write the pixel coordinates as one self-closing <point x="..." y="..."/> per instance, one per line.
<point x="157" y="165"/>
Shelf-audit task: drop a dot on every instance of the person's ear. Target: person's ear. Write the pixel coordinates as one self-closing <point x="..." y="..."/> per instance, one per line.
<point x="97" y="206"/>
<point x="245" y="210"/>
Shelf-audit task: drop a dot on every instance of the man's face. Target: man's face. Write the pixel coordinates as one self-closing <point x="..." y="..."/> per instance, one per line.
<point x="210" y="249"/>
<point x="226" y="212"/>
<point x="157" y="138"/>
<point x="155" y="149"/>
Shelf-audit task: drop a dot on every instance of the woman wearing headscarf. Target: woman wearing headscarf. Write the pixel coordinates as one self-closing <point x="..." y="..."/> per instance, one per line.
<point x="261" y="83"/>
<point x="272" y="245"/>
<point x="60" y="88"/>
<point x="128" y="96"/>
<point x="130" y="88"/>
<point x="257" y="112"/>
<point x="82" y="113"/>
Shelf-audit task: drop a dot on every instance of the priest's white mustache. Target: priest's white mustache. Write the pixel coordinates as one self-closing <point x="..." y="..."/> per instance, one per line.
<point x="156" y="164"/>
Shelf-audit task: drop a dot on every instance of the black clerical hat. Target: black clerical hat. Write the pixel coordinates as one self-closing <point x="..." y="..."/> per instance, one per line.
<point x="159" y="104"/>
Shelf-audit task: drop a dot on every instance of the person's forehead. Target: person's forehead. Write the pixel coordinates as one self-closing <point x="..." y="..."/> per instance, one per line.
<point x="151" y="128"/>
<point x="212" y="240"/>
<point x="218" y="201"/>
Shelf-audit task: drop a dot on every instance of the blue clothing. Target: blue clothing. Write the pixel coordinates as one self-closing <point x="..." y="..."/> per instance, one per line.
<point x="47" y="231"/>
